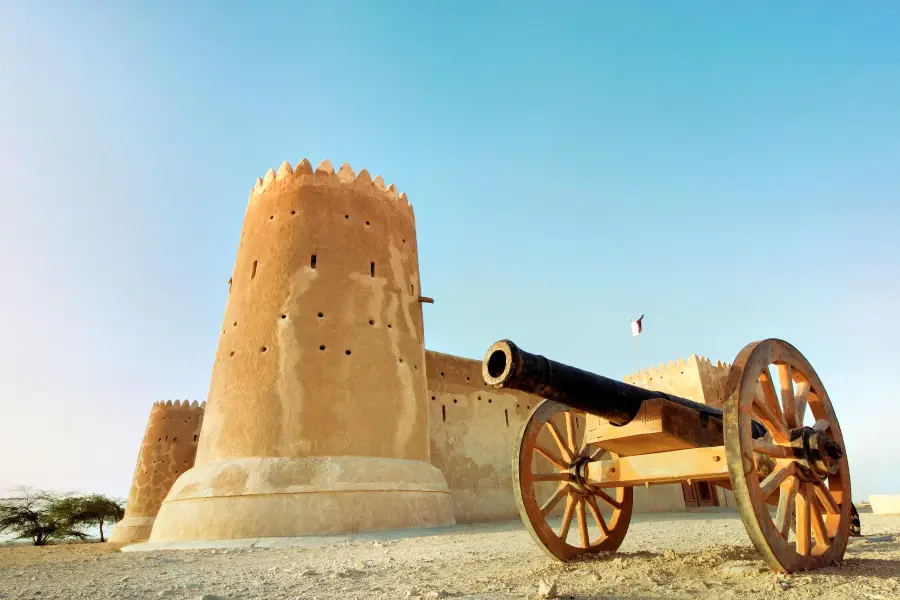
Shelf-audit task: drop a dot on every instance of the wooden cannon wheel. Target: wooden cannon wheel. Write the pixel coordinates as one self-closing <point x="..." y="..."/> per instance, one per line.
<point x="551" y="451"/>
<point x="800" y="467"/>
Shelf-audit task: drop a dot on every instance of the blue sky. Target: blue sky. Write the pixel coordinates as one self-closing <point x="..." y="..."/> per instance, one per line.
<point x="731" y="171"/>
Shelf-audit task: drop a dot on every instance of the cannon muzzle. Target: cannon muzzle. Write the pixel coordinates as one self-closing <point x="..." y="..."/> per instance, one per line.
<point x="508" y="366"/>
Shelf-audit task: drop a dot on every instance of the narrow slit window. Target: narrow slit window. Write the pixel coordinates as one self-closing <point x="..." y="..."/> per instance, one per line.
<point x="372" y="269"/>
<point x="506" y="414"/>
<point x="312" y="261"/>
<point x="444" y="412"/>
<point x="253" y="273"/>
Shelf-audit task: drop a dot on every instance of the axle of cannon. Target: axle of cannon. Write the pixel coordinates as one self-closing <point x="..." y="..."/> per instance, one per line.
<point x="507" y="366"/>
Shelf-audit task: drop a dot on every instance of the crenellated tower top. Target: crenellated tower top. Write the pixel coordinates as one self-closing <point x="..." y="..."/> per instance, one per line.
<point x="324" y="175"/>
<point x="179" y="404"/>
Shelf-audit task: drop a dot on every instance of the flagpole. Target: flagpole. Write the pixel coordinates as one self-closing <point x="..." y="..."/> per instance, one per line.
<point x="637" y="360"/>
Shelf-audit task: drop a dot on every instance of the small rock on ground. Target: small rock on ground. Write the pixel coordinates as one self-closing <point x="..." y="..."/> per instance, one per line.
<point x="874" y="539"/>
<point x="743" y="568"/>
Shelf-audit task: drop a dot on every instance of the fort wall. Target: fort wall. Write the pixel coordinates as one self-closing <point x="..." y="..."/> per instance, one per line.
<point x="168" y="449"/>
<point x="473" y="432"/>
<point x="317" y="418"/>
<point x="885" y="504"/>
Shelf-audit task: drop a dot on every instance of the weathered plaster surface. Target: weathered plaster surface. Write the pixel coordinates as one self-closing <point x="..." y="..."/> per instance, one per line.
<point x="321" y="359"/>
<point x="474" y="430"/>
<point x="265" y="497"/>
<point x="321" y="355"/>
<point x="167" y="450"/>
<point x="658" y="498"/>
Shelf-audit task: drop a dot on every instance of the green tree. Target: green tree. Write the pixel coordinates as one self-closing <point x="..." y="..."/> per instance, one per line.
<point x="31" y="514"/>
<point x="94" y="510"/>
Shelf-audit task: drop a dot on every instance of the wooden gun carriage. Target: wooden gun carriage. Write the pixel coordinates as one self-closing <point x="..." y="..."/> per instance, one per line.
<point x="776" y="444"/>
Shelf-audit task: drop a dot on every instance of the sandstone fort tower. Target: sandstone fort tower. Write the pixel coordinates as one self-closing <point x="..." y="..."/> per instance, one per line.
<point x="167" y="451"/>
<point x="317" y="420"/>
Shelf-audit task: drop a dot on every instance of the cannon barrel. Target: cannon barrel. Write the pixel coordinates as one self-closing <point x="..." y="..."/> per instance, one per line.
<point x="507" y="366"/>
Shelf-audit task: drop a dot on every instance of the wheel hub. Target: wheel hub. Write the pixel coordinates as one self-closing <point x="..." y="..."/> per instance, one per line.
<point x="578" y="470"/>
<point x="818" y="456"/>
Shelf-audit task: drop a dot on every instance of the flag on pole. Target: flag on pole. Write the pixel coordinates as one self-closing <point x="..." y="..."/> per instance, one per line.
<point x="636" y="327"/>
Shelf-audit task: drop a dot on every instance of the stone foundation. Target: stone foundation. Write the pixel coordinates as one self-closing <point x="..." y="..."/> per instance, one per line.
<point x="275" y="497"/>
<point x="131" y="529"/>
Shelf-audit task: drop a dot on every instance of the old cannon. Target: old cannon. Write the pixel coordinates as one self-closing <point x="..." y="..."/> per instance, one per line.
<point x="776" y="443"/>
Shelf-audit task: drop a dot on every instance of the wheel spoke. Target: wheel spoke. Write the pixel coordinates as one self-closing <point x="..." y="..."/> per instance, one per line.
<point x="567" y="517"/>
<point x="558" y="439"/>
<point x="803" y="541"/>
<point x="582" y="525"/>
<point x="772" y="423"/>
<point x="788" y="402"/>
<point x="595" y="453"/>
<point x="598" y="516"/>
<point x="557" y="461"/>
<point x="607" y="498"/>
<point x="800" y="401"/>
<point x="551" y="477"/>
<point x="827" y="500"/>
<point x="815" y="404"/>
<point x="786" y="505"/>
<point x="818" y="525"/>
<point x="553" y="500"/>
<point x="769" y="395"/>
<point x="767" y="486"/>
<point x="773" y="450"/>
<point x="570" y="432"/>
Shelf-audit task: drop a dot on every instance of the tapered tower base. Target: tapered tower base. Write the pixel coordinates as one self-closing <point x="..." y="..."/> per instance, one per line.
<point x="130" y="530"/>
<point x="274" y="497"/>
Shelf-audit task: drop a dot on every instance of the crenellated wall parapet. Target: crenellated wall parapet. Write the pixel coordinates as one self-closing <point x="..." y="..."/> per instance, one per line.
<point x="696" y="378"/>
<point x="713" y="377"/>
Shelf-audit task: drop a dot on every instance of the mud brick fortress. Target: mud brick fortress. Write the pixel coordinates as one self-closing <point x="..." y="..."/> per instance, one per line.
<point x="325" y="412"/>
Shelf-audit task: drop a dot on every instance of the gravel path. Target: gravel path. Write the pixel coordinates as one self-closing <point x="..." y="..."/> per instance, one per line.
<point x="664" y="556"/>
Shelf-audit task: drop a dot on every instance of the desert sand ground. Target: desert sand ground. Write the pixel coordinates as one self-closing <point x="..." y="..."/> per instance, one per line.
<point x="664" y="556"/>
